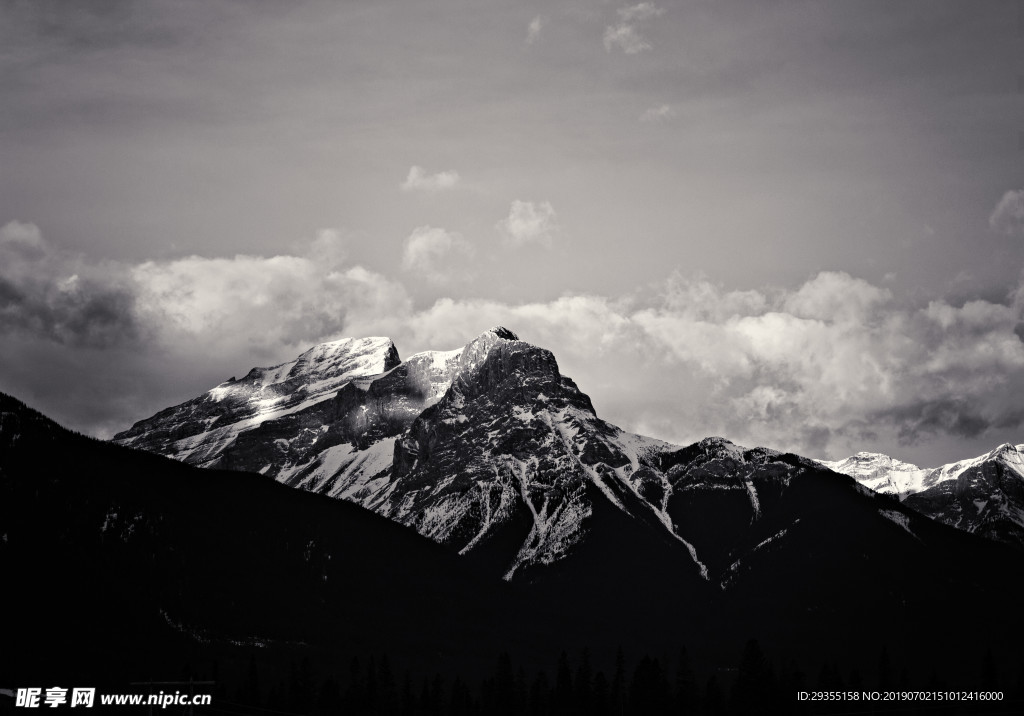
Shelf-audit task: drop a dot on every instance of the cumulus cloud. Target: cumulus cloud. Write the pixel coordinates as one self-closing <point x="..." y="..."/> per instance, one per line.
<point x="427" y="252"/>
<point x="1008" y="216"/>
<point x="657" y="114"/>
<point x="418" y="180"/>
<point x="529" y="222"/>
<point x="254" y="303"/>
<point x="625" y="34"/>
<point x="533" y="30"/>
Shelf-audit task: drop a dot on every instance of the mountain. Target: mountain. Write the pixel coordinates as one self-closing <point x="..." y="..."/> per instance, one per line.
<point x="492" y="452"/>
<point x="982" y="495"/>
<point x="484" y="448"/>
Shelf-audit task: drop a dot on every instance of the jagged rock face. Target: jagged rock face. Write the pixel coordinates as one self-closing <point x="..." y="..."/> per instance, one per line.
<point x="365" y="411"/>
<point x="511" y="445"/>
<point x="508" y="459"/>
<point x="199" y="430"/>
<point x="983" y="495"/>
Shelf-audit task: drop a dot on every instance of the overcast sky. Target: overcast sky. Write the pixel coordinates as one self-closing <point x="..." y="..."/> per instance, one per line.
<point x="792" y="223"/>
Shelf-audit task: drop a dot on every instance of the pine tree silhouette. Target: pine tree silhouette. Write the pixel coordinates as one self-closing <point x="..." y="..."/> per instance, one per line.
<point x="251" y="686"/>
<point x="563" y="701"/>
<point x="752" y="689"/>
<point x="686" y="696"/>
<point x="583" y="685"/>
<point x="714" y="698"/>
<point x="989" y="673"/>
<point x="618" y="690"/>
<point x="886" y="681"/>
<point x="540" y="695"/>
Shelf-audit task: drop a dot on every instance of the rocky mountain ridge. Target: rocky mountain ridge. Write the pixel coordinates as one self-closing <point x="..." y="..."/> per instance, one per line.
<point x="199" y="430"/>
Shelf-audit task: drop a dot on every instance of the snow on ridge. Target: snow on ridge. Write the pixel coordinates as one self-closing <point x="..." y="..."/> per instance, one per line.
<point x="781" y="533"/>
<point x="641" y="445"/>
<point x="881" y="473"/>
<point x="888" y="475"/>
<point x="900" y="519"/>
<point x="438" y="360"/>
<point x="755" y="503"/>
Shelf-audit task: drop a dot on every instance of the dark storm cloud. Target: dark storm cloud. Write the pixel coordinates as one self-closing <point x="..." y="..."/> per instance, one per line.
<point x="945" y="416"/>
<point x="89" y="315"/>
<point x="48" y="295"/>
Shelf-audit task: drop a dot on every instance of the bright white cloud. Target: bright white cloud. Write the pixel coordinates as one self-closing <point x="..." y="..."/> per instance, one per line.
<point x="427" y="252"/>
<point x="625" y="34"/>
<point x="533" y="30"/>
<point x="1008" y="216"/>
<point x="657" y="114"/>
<point x="529" y="222"/>
<point x="418" y="180"/>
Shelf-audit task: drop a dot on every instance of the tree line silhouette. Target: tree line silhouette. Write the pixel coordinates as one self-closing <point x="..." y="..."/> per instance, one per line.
<point x="647" y="686"/>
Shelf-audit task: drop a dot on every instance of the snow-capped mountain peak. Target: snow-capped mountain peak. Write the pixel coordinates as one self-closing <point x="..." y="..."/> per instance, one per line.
<point x="198" y="430"/>
<point x="881" y="473"/>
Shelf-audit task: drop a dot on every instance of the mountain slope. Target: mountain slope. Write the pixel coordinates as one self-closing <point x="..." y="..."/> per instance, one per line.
<point x="982" y="495"/>
<point x="154" y="564"/>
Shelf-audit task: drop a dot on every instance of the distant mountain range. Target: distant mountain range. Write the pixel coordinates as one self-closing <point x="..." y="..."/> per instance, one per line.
<point x="983" y="495"/>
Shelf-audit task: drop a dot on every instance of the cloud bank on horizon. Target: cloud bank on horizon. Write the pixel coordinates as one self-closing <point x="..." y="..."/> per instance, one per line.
<point x="827" y="367"/>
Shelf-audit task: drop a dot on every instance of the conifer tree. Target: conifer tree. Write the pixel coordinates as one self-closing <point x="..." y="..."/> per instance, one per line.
<point x="583" y="684"/>
<point x="563" y="701"/>
<point x="686" y="697"/>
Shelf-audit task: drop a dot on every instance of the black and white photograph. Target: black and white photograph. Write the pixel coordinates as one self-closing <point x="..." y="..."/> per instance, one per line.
<point x="512" y="358"/>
